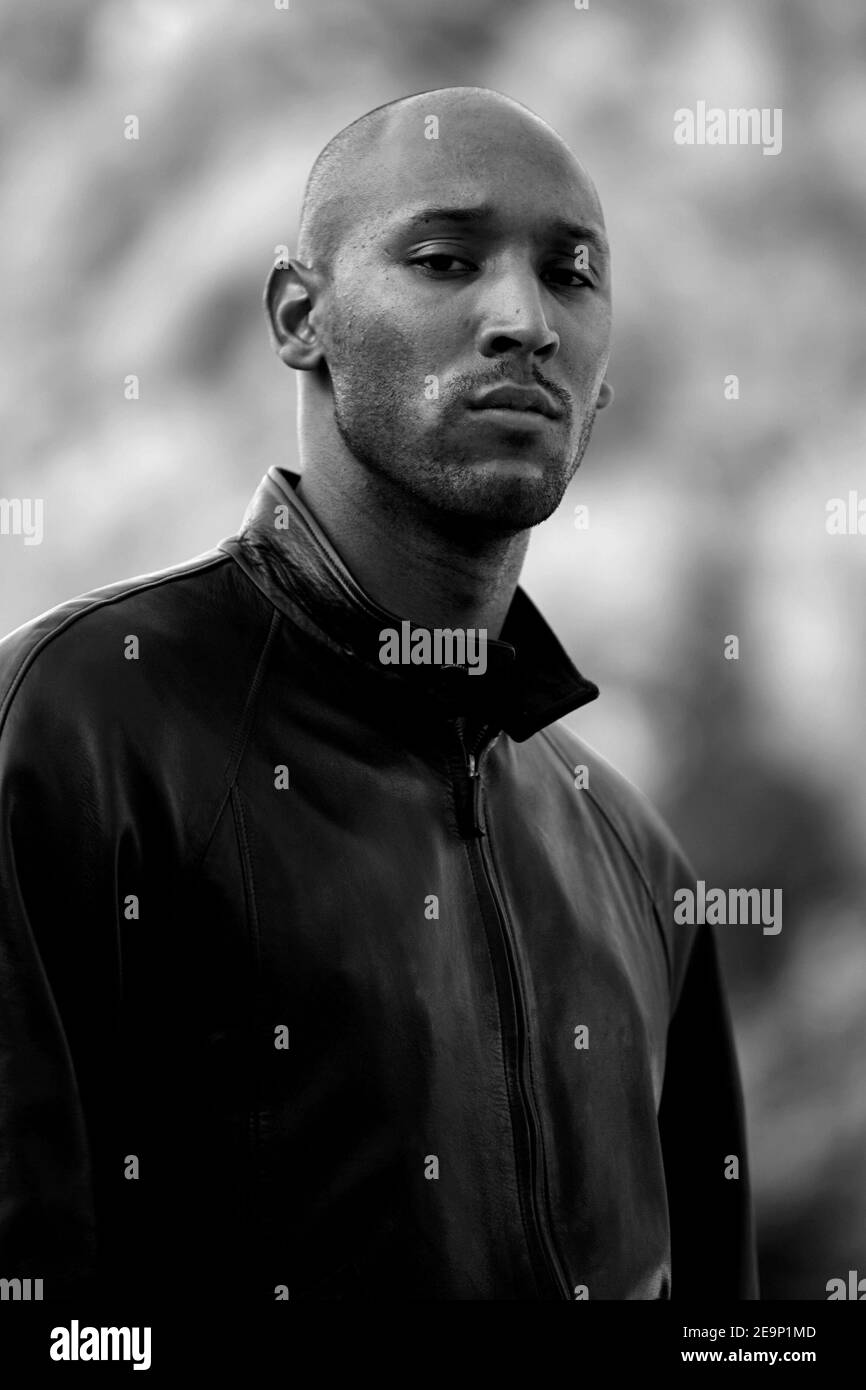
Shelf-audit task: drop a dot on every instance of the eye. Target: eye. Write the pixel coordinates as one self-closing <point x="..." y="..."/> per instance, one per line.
<point x="442" y="263"/>
<point x="567" y="278"/>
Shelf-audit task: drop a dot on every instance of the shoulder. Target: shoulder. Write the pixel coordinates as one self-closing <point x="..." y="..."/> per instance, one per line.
<point x="132" y="653"/>
<point x="632" y="815"/>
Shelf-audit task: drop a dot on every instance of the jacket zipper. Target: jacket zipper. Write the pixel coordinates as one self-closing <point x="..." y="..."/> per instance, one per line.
<point x="524" y="1114"/>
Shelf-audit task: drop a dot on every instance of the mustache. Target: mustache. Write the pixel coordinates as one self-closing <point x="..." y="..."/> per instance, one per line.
<point x="468" y="382"/>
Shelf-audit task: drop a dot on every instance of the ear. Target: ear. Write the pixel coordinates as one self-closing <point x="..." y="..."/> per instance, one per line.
<point x="290" y="296"/>
<point x="605" y="395"/>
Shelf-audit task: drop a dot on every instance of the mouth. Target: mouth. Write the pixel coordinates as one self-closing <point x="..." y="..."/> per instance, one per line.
<point x="517" y="400"/>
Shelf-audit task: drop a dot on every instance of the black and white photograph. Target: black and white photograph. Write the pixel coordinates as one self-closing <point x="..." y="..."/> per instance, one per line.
<point x="432" y="654"/>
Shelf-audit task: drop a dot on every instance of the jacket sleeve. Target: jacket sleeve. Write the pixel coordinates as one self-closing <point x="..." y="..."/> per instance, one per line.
<point x="702" y="1128"/>
<point x="50" y="885"/>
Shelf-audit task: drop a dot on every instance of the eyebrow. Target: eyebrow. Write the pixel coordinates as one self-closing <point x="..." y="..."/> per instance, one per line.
<point x="576" y="231"/>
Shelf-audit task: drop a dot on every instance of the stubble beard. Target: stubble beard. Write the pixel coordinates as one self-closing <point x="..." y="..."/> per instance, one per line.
<point x="452" y="491"/>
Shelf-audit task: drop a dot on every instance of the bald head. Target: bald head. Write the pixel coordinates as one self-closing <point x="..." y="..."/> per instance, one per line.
<point x="356" y="176"/>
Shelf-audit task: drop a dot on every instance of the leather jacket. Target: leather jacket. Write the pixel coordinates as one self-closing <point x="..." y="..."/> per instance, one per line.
<point x="327" y="979"/>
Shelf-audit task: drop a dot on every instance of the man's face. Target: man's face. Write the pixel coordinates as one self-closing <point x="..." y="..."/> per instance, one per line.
<point x="459" y="276"/>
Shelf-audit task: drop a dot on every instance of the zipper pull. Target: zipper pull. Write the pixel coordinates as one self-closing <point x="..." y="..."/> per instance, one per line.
<point x="475" y="795"/>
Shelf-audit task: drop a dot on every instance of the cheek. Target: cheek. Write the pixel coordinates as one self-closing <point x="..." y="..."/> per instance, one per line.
<point x="588" y="333"/>
<point x="386" y="334"/>
<point x="370" y="348"/>
<point x="584" y="349"/>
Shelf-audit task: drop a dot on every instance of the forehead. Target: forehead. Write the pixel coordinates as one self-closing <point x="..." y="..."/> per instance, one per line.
<point x="498" y="157"/>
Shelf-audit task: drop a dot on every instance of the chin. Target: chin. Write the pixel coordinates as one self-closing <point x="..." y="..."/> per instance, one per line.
<point x="508" y="495"/>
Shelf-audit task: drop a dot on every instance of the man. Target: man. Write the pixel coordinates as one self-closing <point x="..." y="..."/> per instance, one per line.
<point x="333" y="967"/>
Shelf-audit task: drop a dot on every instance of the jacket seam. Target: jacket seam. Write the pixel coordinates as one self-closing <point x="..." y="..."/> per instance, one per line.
<point x="254" y="1118"/>
<point x="242" y="730"/>
<point x="245" y="722"/>
<point x="634" y="861"/>
<point x="247" y="875"/>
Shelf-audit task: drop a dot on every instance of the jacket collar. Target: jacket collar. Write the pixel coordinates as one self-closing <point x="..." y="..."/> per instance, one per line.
<point x="529" y="683"/>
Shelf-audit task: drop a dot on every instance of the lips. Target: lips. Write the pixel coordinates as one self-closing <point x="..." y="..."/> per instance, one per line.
<point x="520" y="398"/>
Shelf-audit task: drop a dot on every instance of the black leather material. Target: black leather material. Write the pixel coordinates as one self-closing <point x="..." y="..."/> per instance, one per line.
<point x="431" y="908"/>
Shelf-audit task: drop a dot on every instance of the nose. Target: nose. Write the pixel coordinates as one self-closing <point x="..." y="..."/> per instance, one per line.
<point x="513" y="318"/>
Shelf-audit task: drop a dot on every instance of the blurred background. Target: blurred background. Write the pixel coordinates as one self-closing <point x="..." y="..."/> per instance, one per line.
<point x="707" y="516"/>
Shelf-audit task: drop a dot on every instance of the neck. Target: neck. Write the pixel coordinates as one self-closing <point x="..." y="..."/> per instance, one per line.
<point x="415" y="565"/>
